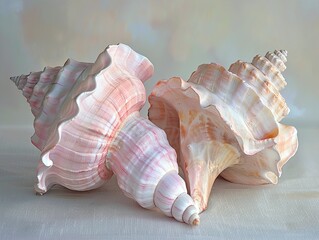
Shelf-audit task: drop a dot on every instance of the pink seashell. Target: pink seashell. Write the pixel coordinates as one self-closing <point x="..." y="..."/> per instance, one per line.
<point x="221" y="123"/>
<point x="87" y="127"/>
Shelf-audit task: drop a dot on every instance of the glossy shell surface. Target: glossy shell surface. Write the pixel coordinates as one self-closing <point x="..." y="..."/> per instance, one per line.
<point x="226" y="122"/>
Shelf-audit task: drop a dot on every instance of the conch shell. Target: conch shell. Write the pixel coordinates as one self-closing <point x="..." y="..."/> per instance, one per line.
<point x="87" y="127"/>
<point x="227" y="123"/>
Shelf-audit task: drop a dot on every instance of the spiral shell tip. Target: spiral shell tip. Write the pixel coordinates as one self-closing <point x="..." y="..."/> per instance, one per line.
<point x="196" y="221"/>
<point x="14" y="79"/>
<point x="284" y="52"/>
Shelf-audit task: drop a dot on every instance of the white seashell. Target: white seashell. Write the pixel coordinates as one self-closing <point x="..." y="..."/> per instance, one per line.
<point x="267" y="85"/>
<point x="154" y="183"/>
<point x="87" y="127"/>
<point x="224" y="124"/>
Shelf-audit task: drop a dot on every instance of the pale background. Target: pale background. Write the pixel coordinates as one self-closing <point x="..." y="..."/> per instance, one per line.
<point x="176" y="36"/>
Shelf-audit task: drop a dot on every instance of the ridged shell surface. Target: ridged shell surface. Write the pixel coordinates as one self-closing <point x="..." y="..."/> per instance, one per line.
<point x="87" y="127"/>
<point x="223" y="123"/>
<point x="78" y="108"/>
<point x="146" y="169"/>
<point x="264" y="76"/>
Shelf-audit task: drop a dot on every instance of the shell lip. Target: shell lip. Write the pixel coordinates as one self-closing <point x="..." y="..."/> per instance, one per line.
<point x="194" y="91"/>
<point x="91" y="77"/>
<point x="103" y="62"/>
<point x="221" y="70"/>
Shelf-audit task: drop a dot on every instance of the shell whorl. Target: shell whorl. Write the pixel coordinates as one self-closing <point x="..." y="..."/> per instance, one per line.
<point x="278" y="58"/>
<point x="264" y="76"/>
<point x="271" y="66"/>
<point x="146" y="169"/>
<point x="171" y="197"/>
<point x="35" y="86"/>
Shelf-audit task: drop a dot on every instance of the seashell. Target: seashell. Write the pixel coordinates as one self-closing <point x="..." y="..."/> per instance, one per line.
<point x="87" y="127"/>
<point x="227" y="123"/>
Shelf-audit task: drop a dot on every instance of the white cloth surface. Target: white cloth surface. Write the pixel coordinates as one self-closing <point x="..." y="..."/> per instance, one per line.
<point x="288" y="210"/>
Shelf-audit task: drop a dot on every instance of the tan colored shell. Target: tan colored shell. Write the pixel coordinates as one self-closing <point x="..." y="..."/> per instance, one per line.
<point x="223" y="123"/>
<point x="264" y="76"/>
